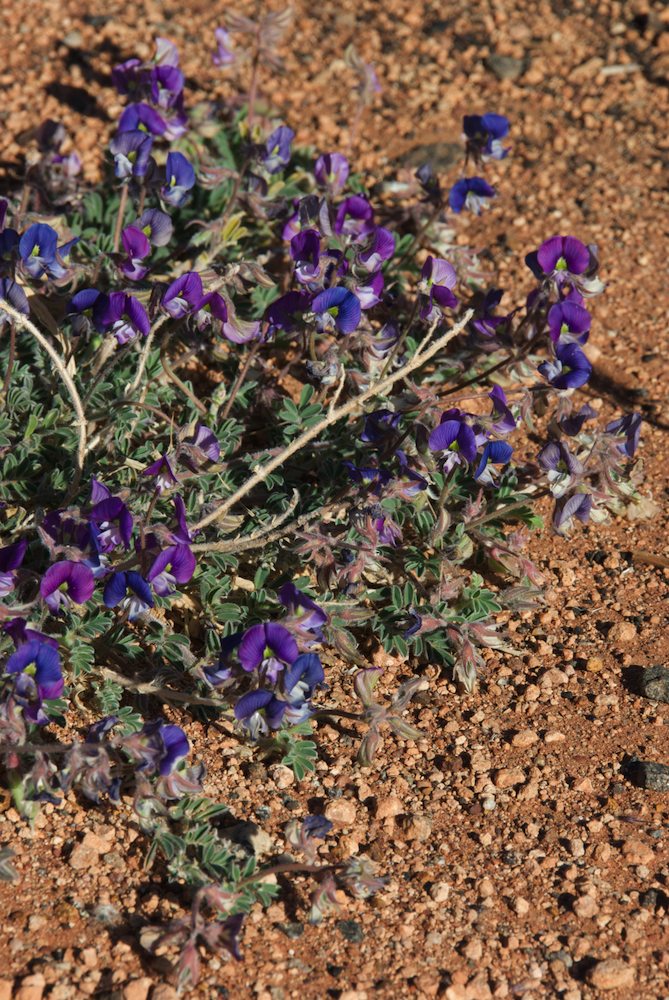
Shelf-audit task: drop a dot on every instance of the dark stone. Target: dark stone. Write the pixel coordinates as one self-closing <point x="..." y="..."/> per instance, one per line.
<point x="652" y="899"/>
<point x="561" y="956"/>
<point x="351" y="930"/>
<point x="505" y="67"/>
<point x="646" y="774"/>
<point x="334" y="970"/>
<point x="654" y="683"/>
<point x="440" y="155"/>
<point x="292" y="930"/>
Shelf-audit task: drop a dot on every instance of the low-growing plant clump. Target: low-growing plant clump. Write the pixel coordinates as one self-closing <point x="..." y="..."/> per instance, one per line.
<point x="254" y="409"/>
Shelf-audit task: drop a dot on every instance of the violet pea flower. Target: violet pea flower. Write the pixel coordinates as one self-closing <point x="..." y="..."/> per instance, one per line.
<point x="369" y="476"/>
<point x="454" y="435"/>
<point x="276" y="154"/>
<point x="571" y="425"/>
<point x="560" y="466"/>
<point x="305" y="249"/>
<point x="223" y="669"/>
<point x="39" y="679"/>
<point x="286" y="312"/>
<point x="380" y="248"/>
<point x="13" y="294"/>
<point x="484" y="134"/>
<point x="269" y="647"/>
<point x="337" y="308"/>
<point x="175" y="564"/>
<point x="212" y="309"/>
<point x="578" y="505"/>
<point x="379" y="426"/>
<point x="20" y="633"/>
<point x="66" y="583"/>
<point x="128" y="76"/>
<point x="569" y="322"/>
<point x="183" y="296"/>
<point x="85" y="309"/>
<point x="141" y="118"/>
<point x="259" y="711"/>
<point x="129" y="589"/>
<point x="167" y="54"/>
<point x="137" y="247"/>
<point x="331" y="171"/>
<point x="438" y="279"/>
<point x="503" y="419"/>
<point x="307" y="616"/>
<point x="472" y="193"/>
<point x="167" y="84"/>
<point x="179" y="179"/>
<point x="570" y="370"/>
<point x="494" y="453"/>
<point x="354" y="217"/>
<point x="124" y="316"/>
<point x="11" y="557"/>
<point x="156" y="226"/>
<point x="131" y="152"/>
<point x="201" y="447"/>
<point x="113" y="521"/>
<point x="157" y="747"/>
<point x="165" y="475"/>
<point x="40" y="253"/>
<point x="369" y="294"/>
<point x="565" y="260"/>
<point x="223" y="56"/>
<point x="629" y="428"/>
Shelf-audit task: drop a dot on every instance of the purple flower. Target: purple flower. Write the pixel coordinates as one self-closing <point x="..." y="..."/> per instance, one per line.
<point x="141" y="118"/>
<point x="389" y="533"/>
<point x="259" y="711"/>
<point x="369" y="294"/>
<point x="20" y="633"/>
<point x="124" y="316"/>
<point x="570" y="370"/>
<point x="201" y="447"/>
<point x="40" y="253"/>
<point x="454" y="435"/>
<point x="438" y="278"/>
<point x="563" y="256"/>
<point x="471" y="193"/>
<point x="40" y="678"/>
<point x="337" y="308"/>
<point x="305" y="249"/>
<point x="269" y="647"/>
<point x="137" y="601"/>
<point x="175" y="564"/>
<point x="223" y="55"/>
<point x="286" y="312"/>
<point x="131" y="152"/>
<point x="212" y="308"/>
<point x="368" y="475"/>
<point x="304" y="614"/>
<point x="560" y="466"/>
<point x="66" y="583"/>
<point x="184" y="295"/>
<point x="484" y="134"/>
<point x="179" y="179"/>
<point x="494" y="453"/>
<point x="572" y="424"/>
<point x="182" y="532"/>
<point x="167" y="54"/>
<point x="578" y="505"/>
<point x="158" y="747"/>
<point x="276" y="155"/>
<point x="128" y="76"/>
<point x="165" y="476"/>
<point x="14" y="294"/>
<point x="137" y="247"/>
<point x="299" y="682"/>
<point x="331" y="171"/>
<point x="354" y="217"/>
<point x="85" y="306"/>
<point x="114" y="523"/>
<point x="167" y="84"/>
<point x="380" y="248"/>
<point x="628" y="427"/>
<point x="379" y="426"/>
<point x="11" y="557"/>
<point x="569" y="322"/>
<point x="487" y="322"/>
<point x="157" y="226"/>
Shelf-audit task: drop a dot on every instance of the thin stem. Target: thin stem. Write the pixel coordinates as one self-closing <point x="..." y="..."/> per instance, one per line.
<point x="182" y="385"/>
<point x="10" y="360"/>
<point x="239" y="381"/>
<point x="119" y="217"/>
<point x="503" y="511"/>
<point x="253" y="86"/>
<point x="333" y="417"/>
<point x="80" y="417"/>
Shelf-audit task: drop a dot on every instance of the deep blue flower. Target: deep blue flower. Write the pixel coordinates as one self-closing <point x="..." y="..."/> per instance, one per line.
<point x="569" y="322"/>
<point x="85" y="310"/>
<point x="276" y="154"/>
<point x="454" y="435"/>
<point x="158" y="747"/>
<point x="494" y="453"/>
<point x="484" y="134"/>
<point x="179" y="179"/>
<point x="379" y="426"/>
<point x="123" y="315"/>
<point x="259" y="711"/>
<point x="337" y="308"/>
<point x="15" y="296"/>
<point x="472" y="193"/>
<point x="368" y="475"/>
<point x="40" y="253"/>
<point x="38" y="665"/>
<point x="129" y="589"/>
<point x="570" y="370"/>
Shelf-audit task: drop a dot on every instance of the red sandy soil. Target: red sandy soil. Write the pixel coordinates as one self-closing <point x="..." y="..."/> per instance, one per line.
<point x="521" y="860"/>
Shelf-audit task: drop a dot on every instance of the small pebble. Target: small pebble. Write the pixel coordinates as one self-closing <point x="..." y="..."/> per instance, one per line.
<point x="654" y="683"/>
<point x="611" y="974"/>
